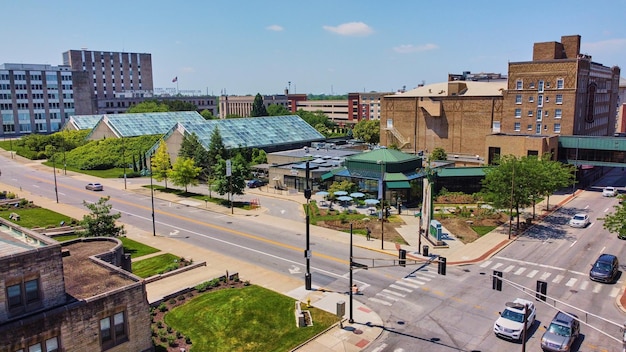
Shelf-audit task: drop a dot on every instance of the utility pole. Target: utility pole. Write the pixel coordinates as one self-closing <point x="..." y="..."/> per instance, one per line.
<point x="152" y="198"/>
<point x="307" y="251"/>
<point x="351" y="319"/>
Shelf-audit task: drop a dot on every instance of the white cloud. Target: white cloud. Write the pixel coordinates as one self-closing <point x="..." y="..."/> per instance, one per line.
<point x="604" y="45"/>
<point x="275" y="28"/>
<point x="410" y="48"/>
<point x="351" y="29"/>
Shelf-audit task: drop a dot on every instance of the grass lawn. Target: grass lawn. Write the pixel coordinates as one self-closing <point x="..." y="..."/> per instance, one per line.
<point x="36" y="217"/>
<point x="202" y="197"/>
<point x="247" y="319"/>
<point x="116" y="172"/>
<point x="482" y="230"/>
<point x="155" y="265"/>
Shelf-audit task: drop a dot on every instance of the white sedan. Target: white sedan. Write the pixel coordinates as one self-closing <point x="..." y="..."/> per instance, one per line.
<point x="579" y="220"/>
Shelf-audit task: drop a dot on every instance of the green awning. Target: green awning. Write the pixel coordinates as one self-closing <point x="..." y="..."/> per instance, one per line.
<point x="327" y="175"/>
<point x="397" y="184"/>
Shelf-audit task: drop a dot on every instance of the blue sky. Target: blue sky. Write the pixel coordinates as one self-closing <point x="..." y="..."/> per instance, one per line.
<point x="321" y="47"/>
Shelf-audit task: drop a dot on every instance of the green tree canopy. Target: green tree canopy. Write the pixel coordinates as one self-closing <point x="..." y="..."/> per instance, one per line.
<point x="277" y="110"/>
<point x="615" y="222"/>
<point x="184" y="172"/>
<point x="148" y="106"/>
<point x="235" y="184"/>
<point x="161" y="163"/>
<point x="315" y="118"/>
<point x="100" y="222"/>
<point x="367" y="131"/>
<point x="208" y="115"/>
<point x="192" y="148"/>
<point x="258" y="108"/>
<point x="438" y="154"/>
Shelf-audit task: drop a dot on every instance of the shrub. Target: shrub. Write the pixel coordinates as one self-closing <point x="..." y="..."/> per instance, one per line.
<point x="170" y="329"/>
<point x="188" y="340"/>
<point x="162" y="307"/>
<point x="172" y="301"/>
<point x="179" y="334"/>
<point x="181" y="297"/>
<point x="160" y="324"/>
<point x="171" y="340"/>
<point x="162" y="335"/>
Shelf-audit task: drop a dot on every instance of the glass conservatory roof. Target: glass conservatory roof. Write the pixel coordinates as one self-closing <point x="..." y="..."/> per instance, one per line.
<point x="130" y="125"/>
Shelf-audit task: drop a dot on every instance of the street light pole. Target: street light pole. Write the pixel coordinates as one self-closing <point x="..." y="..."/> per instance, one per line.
<point x="307" y="251"/>
<point x="382" y="202"/>
<point x="152" y="198"/>
<point x="54" y="169"/>
<point x="351" y="319"/>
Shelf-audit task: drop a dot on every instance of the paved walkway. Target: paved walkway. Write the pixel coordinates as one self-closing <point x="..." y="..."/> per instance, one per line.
<point x="348" y="337"/>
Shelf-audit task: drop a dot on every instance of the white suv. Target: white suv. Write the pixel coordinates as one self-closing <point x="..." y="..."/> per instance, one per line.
<point x="510" y="324"/>
<point x="609" y="192"/>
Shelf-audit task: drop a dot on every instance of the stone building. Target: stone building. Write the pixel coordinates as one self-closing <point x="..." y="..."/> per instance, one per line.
<point x="71" y="296"/>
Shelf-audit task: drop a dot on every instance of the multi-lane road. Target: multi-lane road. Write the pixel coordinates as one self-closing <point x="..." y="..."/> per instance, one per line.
<point x="421" y="310"/>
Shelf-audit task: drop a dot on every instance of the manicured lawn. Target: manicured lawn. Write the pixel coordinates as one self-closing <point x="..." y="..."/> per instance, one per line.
<point x="482" y="230"/>
<point x="155" y="265"/>
<point x="36" y="217"/>
<point x="136" y="249"/>
<point x="247" y="319"/>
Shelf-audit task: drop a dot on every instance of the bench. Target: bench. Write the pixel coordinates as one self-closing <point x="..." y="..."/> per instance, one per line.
<point x="14" y="217"/>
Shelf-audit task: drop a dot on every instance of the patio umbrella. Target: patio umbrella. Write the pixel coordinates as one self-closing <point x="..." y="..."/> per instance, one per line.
<point x="340" y="193"/>
<point x="322" y="193"/>
<point x="357" y="195"/>
<point x="344" y="198"/>
<point x="372" y="201"/>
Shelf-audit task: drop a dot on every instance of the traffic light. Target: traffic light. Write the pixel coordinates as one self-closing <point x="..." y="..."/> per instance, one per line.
<point x="542" y="288"/>
<point x="402" y="256"/>
<point x="497" y="280"/>
<point x="441" y="269"/>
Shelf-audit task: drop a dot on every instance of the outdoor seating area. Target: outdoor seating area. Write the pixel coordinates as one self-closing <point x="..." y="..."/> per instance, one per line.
<point x="350" y="202"/>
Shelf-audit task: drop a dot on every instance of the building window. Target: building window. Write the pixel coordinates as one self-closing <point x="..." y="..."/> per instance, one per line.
<point x="519" y="85"/>
<point x="540" y="100"/>
<point x="531" y="99"/>
<point x="557" y="128"/>
<point x="539" y="114"/>
<point x="531" y="85"/>
<point x="558" y="113"/>
<point x="113" y="330"/>
<point x="530" y="113"/>
<point x="529" y="127"/>
<point x="517" y="126"/>
<point x="496" y="127"/>
<point x="20" y="295"/>
<point x="540" y="88"/>
<point x="518" y="99"/>
<point x="518" y="113"/>
<point x="559" y="98"/>
<point x="560" y="83"/>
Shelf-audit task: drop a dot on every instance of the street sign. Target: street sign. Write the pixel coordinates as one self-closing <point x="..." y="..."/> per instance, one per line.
<point x="228" y="168"/>
<point x="359" y="265"/>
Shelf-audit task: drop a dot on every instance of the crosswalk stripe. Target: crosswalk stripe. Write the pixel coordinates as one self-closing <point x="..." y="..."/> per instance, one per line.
<point x="597" y="288"/>
<point x="532" y="273"/>
<point x="544" y="276"/>
<point x="387" y="297"/>
<point x="394" y="293"/>
<point x="508" y="268"/>
<point x="614" y="292"/>
<point x="485" y="264"/>
<point x="423" y="278"/>
<point x="571" y="282"/>
<point x="379" y="301"/>
<point x="400" y="288"/>
<point x="496" y="266"/>
<point x="520" y="271"/>
<point x="405" y="283"/>
<point x="583" y="285"/>
<point x="558" y="279"/>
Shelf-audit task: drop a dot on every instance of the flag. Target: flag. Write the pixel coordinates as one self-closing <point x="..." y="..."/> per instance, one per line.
<point x="175" y="79"/>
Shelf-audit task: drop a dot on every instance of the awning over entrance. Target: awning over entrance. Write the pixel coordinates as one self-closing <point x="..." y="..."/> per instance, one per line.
<point x="397" y="184"/>
<point x="327" y="175"/>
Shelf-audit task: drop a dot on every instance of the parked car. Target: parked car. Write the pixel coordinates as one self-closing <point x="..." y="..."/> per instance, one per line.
<point x="255" y="183"/>
<point x="605" y="269"/>
<point x="609" y="192"/>
<point x="94" y="186"/>
<point x="579" y="220"/>
<point x="561" y="333"/>
<point x="510" y="324"/>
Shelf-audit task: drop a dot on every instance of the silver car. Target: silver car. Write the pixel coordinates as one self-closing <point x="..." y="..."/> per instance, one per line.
<point x="561" y="334"/>
<point x="94" y="186"/>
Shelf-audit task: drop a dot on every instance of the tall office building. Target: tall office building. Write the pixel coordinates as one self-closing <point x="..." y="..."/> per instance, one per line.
<point x="35" y="98"/>
<point x="109" y="73"/>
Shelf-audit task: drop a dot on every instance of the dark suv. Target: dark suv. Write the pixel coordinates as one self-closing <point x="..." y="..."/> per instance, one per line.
<point x="561" y="334"/>
<point x="605" y="269"/>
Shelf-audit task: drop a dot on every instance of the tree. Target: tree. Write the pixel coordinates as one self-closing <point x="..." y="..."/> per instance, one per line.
<point x="216" y="151"/>
<point x="315" y="118"/>
<point x="161" y="163"/>
<point x="235" y="184"/>
<point x="258" y="108"/>
<point x="259" y="156"/>
<point x="438" y="154"/>
<point x="547" y="177"/>
<point x="148" y="106"/>
<point x="616" y="222"/>
<point x="208" y="115"/>
<point x="185" y="172"/>
<point x="192" y="148"/>
<point x="277" y="110"/>
<point x="100" y="222"/>
<point x="180" y="105"/>
<point x="367" y="131"/>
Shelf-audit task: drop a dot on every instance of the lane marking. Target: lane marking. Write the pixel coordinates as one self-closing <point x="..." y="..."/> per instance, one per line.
<point x="532" y="273"/>
<point x="395" y="293"/>
<point x="385" y="303"/>
<point x="387" y="297"/>
<point x="571" y="282"/>
<point x="597" y="288"/>
<point x="583" y="285"/>
<point x="558" y="279"/>
<point x="573" y="243"/>
<point x="519" y="271"/>
<point x="544" y="276"/>
<point x="614" y="292"/>
<point x="508" y="268"/>
<point x="485" y="264"/>
<point x="542" y="265"/>
<point x="408" y="284"/>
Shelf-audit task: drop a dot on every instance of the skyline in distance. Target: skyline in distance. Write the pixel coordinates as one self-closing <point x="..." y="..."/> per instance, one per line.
<point x="326" y="47"/>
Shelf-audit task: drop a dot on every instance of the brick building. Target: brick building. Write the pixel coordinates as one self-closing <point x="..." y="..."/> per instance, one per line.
<point x="559" y="92"/>
<point x="73" y="296"/>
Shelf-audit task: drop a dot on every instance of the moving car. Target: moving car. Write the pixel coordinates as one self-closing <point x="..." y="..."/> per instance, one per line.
<point x="94" y="186"/>
<point x="510" y="324"/>
<point x="609" y="192"/>
<point x="561" y="334"/>
<point x="579" y="220"/>
<point x="255" y="183"/>
<point x="605" y="269"/>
